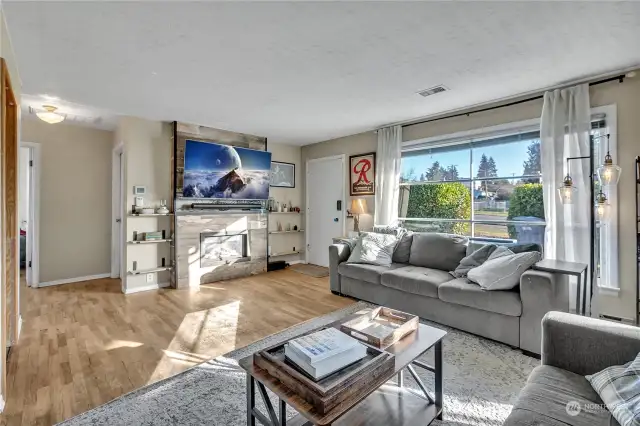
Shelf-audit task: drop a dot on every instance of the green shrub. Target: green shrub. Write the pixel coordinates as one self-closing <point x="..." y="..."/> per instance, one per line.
<point x="441" y="200"/>
<point x="526" y="200"/>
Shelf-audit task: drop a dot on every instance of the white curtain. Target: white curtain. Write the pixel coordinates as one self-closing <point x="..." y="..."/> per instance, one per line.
<point x="564" y="132"/>
<point x="388" y="175"/>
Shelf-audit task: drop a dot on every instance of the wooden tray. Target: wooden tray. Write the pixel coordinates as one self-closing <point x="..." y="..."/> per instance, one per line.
<point x="382" y="327"/>
<point x="326" y="393"/>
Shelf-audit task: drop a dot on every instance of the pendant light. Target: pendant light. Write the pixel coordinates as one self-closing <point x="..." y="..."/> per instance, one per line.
<point x="49" y="115"/>
<point x="567" y="190"/>
<point x="608" y="173"/>
<point x="602" y="206"/>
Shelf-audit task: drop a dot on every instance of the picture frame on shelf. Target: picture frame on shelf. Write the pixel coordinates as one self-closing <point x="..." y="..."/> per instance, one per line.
<point x="283" y="175"/>
<point x="362" y="174"/>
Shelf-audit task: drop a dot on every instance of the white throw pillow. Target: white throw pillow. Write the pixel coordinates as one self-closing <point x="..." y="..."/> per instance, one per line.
<point x="503" y="273"/>
<point x="373" y="249"/>
<point x="619" y="388"/>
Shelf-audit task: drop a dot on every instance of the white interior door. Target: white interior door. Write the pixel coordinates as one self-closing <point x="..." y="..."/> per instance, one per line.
<point x="325" y="206"/>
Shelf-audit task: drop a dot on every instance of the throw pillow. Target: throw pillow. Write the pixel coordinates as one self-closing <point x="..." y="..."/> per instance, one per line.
<point x="389" y="229"/>
<point x="503" y="273"/>
<point x="373" y="249"/>
<point x="619" y="388"/>
<point x="500" y="251"/>
<point x="403" y="250"/>
<point x="474" y="260"/>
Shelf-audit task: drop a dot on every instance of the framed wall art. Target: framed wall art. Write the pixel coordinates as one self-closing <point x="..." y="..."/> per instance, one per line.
<point x="362" y="174"/>
<point x="283" y="175"/>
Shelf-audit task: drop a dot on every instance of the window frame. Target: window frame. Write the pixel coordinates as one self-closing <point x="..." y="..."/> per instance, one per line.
<point x="467" y="137"/>
<point x="608" y="280"/>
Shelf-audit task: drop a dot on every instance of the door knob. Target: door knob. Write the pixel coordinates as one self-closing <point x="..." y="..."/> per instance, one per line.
<point x="335" y="219"/>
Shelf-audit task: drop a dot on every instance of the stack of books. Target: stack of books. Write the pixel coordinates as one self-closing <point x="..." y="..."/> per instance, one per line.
<point x="152" y="236"/>
<point x="324" y="352"/>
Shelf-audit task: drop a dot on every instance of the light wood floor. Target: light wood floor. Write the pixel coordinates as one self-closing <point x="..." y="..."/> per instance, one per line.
<point x="84" y="344"/>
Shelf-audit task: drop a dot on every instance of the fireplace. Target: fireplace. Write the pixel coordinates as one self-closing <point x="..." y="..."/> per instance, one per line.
<point x="217" y="248"/>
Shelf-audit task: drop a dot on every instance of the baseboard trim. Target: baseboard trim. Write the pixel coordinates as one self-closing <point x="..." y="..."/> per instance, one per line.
<point x="74" y="280"/>
<point x="147" y="288"/>
<point x="294" y="262"/>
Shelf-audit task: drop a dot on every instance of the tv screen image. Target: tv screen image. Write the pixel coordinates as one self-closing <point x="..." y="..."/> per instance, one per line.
<point x="213" y="170"/>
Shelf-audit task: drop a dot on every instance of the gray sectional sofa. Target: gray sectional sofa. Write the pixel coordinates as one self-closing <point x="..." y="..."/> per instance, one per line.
<point x="419" y="282"/>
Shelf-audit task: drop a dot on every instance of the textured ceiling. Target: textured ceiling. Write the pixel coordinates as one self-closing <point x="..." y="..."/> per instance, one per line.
<point x="302" y="72"/>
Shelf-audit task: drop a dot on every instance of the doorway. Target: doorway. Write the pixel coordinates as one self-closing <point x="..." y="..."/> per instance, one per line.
<point x="28" y="211"/>
<point x="325" y="188"/>
<point x="117" y="213"/>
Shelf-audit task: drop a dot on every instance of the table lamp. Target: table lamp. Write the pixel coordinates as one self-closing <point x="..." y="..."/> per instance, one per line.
<point x="358" y="207"/>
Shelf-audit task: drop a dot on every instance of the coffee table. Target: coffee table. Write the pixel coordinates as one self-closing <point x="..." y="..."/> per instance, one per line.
<point x="378" y="404"/>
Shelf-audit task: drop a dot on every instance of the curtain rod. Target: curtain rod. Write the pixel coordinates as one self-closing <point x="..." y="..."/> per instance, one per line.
<point x="619" y="78"/>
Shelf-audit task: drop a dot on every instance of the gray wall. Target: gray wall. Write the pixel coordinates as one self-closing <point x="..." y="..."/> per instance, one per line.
<point x="361" y="143"/>
<point x="75" y="199"/>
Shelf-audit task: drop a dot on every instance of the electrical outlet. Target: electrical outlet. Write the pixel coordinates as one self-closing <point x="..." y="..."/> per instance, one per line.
<point x="149" y="278"/>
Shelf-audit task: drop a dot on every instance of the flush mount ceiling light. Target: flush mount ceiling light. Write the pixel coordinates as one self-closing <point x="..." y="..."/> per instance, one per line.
<point x="49" y="115"/>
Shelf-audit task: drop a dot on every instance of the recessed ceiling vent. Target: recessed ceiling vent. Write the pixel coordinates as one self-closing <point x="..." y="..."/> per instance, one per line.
<point x="433" y="90"/>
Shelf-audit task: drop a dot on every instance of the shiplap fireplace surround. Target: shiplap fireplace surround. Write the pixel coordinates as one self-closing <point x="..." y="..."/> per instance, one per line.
<point x="192" y="265"/>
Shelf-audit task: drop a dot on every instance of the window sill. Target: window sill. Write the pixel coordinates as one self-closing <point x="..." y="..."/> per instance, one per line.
<point x="609" y="291"/>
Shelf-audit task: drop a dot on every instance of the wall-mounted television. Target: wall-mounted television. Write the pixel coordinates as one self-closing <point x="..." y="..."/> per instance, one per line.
<point x="214" y="170"/>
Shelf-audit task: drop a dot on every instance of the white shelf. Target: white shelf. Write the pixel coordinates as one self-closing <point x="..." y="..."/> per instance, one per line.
<point x="285" y="213"/>
<point x="149" y="271"/>
<point x="286" y="253"/>
<point x="287" y="232"/>
<point x="150" y="242"/>
<point x="149" y="214"/>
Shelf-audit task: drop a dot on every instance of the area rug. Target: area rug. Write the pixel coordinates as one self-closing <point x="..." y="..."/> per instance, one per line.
<point x="482" y="379"/>
<point x="311" y="270"/>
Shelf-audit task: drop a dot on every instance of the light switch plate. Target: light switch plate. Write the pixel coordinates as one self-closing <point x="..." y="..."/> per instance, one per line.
<point x="149" y="278"/>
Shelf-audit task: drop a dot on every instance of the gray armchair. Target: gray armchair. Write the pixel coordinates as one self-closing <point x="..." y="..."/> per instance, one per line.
<point x="572" y="347"/>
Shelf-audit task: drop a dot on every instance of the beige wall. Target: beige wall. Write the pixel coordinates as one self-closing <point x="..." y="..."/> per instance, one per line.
<point x="361" y="143"/>
<point x="147" y="150"/>
<point x="75" y="199"/>
<point x="627" y="98"/>
<point x="286" y="242"/>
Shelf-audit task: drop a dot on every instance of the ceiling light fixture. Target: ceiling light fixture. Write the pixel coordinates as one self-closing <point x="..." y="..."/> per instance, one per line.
<point x="49" y="115"/>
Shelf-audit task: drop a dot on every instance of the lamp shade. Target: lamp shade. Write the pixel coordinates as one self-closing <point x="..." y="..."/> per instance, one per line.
<point x="358" y="206"/>
<point x="567" y="191"/>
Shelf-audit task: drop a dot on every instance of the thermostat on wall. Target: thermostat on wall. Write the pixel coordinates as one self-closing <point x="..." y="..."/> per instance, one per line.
<point x="139" y="190"/>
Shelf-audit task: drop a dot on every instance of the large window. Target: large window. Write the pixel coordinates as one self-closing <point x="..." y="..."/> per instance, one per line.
<point x="487" y="187"/>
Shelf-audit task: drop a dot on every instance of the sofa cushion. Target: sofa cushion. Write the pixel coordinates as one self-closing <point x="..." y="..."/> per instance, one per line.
<point x="415" y="280"/>
<point x="364" y="272"/>
<point x="463" y="292"/>
<point x="437" y="251"/>
<point x="544" y="400"/>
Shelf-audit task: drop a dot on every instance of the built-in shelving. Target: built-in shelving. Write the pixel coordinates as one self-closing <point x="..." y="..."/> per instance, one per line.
<point x="150" y="241"/>
<point x="286" y="253"/>
<point x="285" y="212"/>
<point x="150" y="271"/>
<point x="287" y="232"/>
<point x="149" y="214"/>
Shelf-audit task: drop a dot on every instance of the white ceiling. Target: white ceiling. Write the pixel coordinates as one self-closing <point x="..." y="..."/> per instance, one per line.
<point x="303" y="72"/>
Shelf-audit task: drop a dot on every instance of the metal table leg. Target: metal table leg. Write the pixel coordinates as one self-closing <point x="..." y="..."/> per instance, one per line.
<point x="401" y="379"/>
<point x="251" y="400"/>
<point x="584" y="292"/>
<point x="578" y="291"/>
<point x="438" y="378"/>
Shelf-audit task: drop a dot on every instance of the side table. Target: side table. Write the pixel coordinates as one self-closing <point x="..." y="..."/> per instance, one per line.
<point x="569" y="268"/>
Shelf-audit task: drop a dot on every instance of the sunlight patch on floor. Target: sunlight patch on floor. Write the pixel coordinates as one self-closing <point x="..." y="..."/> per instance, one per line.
<point x="201" y="336"/>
